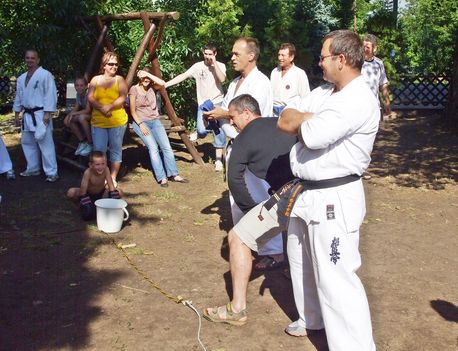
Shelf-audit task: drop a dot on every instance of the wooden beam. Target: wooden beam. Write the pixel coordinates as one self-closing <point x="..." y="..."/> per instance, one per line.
<point x="106" y="41"/>
<point x="138" y="56"/>
<point x="135" y="15"/>
<point x="95" y="52"/>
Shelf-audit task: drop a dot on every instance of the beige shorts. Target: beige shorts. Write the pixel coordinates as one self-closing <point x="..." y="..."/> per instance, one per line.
<point x="259" y="226"/>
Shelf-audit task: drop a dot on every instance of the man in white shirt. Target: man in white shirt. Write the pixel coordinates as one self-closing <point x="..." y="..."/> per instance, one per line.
<point x="289" y="82"/>
<point x="245" y="53"/>
<point x="36" y="97"/>
<point x="374" y="72"/>
<point x="209" y="75"/>
<point x="336" y="124"/>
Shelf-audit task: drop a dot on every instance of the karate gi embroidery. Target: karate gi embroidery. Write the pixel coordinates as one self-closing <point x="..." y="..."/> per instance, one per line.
<point x="335" y="254"/>
<point x="330" y="212"/>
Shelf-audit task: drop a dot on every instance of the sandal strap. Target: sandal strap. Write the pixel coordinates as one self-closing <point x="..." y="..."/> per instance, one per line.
<point x="234" y="315"/>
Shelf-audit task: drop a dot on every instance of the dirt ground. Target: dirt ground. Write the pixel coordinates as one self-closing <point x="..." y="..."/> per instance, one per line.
<point x="66" y="286"/>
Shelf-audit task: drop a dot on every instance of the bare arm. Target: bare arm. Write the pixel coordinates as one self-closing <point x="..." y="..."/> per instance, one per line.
<point x="90" y="94"/>
<point x="133" y="112"/>
<point x="155" y="79"/>
<point x="178" y="79"/>
<point x="85" y="182"/>
<point x="109" y="180"/>
<point x="218" y="73"/>
<point x="291" y="120"/>
<point x="216" y="113"/>
<point x="385" y="89"/>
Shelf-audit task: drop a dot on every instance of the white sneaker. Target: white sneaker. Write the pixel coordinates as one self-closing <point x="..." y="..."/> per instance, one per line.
<point x="80" y="147"/>
<point x="193" y="136"/>
<point x="52" y="178"/>
<point x="295" y="329"/>
<point x="219" y="166"/>
<point x="86" y="150"/>
<point x="10" y="175"/>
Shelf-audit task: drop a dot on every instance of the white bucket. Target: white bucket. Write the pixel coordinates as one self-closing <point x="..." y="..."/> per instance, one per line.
<point x="110" y="214"/>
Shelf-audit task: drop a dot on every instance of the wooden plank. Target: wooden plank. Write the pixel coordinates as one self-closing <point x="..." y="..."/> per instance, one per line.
<point x="135" y="15"/>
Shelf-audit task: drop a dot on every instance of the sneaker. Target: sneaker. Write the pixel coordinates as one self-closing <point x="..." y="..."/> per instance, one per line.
<point x="193" y="136"/>
<point x="52" y="178"/>
<point x="86" y="150"/>
<point x="295" y="329"/>
<point x="27" y="173"/>
<point x="218" y="166"/>
<point x="80" y="148"/>
<point x="10" y="175"/>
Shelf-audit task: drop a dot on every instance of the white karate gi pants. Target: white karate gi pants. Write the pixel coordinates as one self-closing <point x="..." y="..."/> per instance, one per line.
<point x="43" y="150"/>
<point x="5" y="160"/>
<point x="323" y="253"/>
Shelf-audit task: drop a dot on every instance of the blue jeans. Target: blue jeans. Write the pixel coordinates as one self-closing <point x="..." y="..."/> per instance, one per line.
<point x="157" y="138"/>
<point x="109" y="139"/>
<point x="278" y="110"/>
<point x="219" y="141"/>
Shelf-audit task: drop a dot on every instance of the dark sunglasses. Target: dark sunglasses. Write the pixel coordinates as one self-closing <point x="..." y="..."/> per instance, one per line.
<point x="112" y="64"/>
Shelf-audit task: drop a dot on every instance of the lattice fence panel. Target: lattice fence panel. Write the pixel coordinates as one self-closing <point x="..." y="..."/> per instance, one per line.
<point x="420" y="91"/>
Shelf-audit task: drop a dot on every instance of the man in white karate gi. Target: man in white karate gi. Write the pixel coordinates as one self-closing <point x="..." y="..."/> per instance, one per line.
<point x="36" y="98"/>
<point x="336" y="124"/>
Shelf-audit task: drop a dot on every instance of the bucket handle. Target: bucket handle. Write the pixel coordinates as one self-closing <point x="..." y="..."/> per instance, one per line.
<point x="126" y="214"/>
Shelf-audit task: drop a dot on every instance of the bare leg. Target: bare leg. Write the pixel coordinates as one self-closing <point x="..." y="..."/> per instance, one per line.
<point x="74" y="193"/>
<point x="241" y="264"/>
<point x="114" y="169"/>
<point x="85" y="123"/>
<point x="219" y="154"/>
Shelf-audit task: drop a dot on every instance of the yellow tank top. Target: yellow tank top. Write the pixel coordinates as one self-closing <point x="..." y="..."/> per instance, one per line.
<point x="106" y="96"/>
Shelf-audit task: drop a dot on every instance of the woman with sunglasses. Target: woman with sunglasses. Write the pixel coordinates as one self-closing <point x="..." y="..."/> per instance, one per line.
<point x="143" y="108"/>
<point x="107" y="94"/>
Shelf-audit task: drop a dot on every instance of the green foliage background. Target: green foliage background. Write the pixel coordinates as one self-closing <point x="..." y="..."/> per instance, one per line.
<point x="422" y="41"/>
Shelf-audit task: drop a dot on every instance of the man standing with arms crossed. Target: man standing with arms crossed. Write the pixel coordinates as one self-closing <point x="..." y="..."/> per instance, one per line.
<point x="209" y="75"/>
<point x="289" y="82"/>
<point x="336" y="124"/>
<point x="36" y="97"/>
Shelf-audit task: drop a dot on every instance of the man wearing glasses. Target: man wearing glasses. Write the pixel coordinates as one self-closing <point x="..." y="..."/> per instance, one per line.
<point x="336" y="124"/>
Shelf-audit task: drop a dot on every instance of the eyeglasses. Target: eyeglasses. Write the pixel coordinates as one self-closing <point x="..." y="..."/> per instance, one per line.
<point x="321" y="57"/>
<point x="112" y="64"/>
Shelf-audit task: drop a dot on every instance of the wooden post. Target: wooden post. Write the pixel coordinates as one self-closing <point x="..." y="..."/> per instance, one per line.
<point x="138" y="56"/>
<point x="98" y="46"/>
<point x="106" y="41"/>
<point x="156" y="70"/>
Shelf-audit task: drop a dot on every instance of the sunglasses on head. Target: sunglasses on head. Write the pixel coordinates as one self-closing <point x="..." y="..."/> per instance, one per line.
<point x="112" y="64"/>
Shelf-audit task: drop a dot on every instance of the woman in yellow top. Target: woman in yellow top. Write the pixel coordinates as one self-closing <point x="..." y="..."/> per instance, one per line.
<point x="107" y="93"/>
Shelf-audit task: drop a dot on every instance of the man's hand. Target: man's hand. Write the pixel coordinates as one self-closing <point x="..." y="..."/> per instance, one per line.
<point x="17" y="122"/>
<point x="216" y="113"/>
<point x="46" y="117"/>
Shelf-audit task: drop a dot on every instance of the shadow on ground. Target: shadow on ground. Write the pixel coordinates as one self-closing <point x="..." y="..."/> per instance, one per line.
<point x="48" y="292"/>
<point x="416" y="151"/>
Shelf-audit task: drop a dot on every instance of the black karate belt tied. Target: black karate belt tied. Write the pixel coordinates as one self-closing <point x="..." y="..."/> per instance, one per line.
<point x="287" y="195"/>
<point x="31" y="112"/>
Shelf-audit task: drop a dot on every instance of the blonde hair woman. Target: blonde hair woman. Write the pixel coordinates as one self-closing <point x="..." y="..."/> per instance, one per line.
<point x="107" y="94"/>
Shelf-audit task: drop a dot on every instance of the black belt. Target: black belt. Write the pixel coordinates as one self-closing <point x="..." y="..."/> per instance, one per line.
<point x="289" y="192"/>
<point x="31" y="112"/>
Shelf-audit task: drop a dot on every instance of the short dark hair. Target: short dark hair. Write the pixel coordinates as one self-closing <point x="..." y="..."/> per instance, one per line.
<point x="290" y="47"/>
<point x="32" y="50"/>
<point x="371" y="38"/>
<point x="245" y="101"/>
<point x="97" y="154"/>
<point x="349" y="44"/>
<point x="83" y="78"/>
<point x="210" y="47"/>
<point x="252" y="44"/>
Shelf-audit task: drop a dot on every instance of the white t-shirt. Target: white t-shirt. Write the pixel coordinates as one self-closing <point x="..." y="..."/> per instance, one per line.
<point x="257" y="85"/>
<point x="207" y="86"/>
<point x="338" y="139"/>
<point x="374" y="74"/>
<point x="294" y="85"/>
